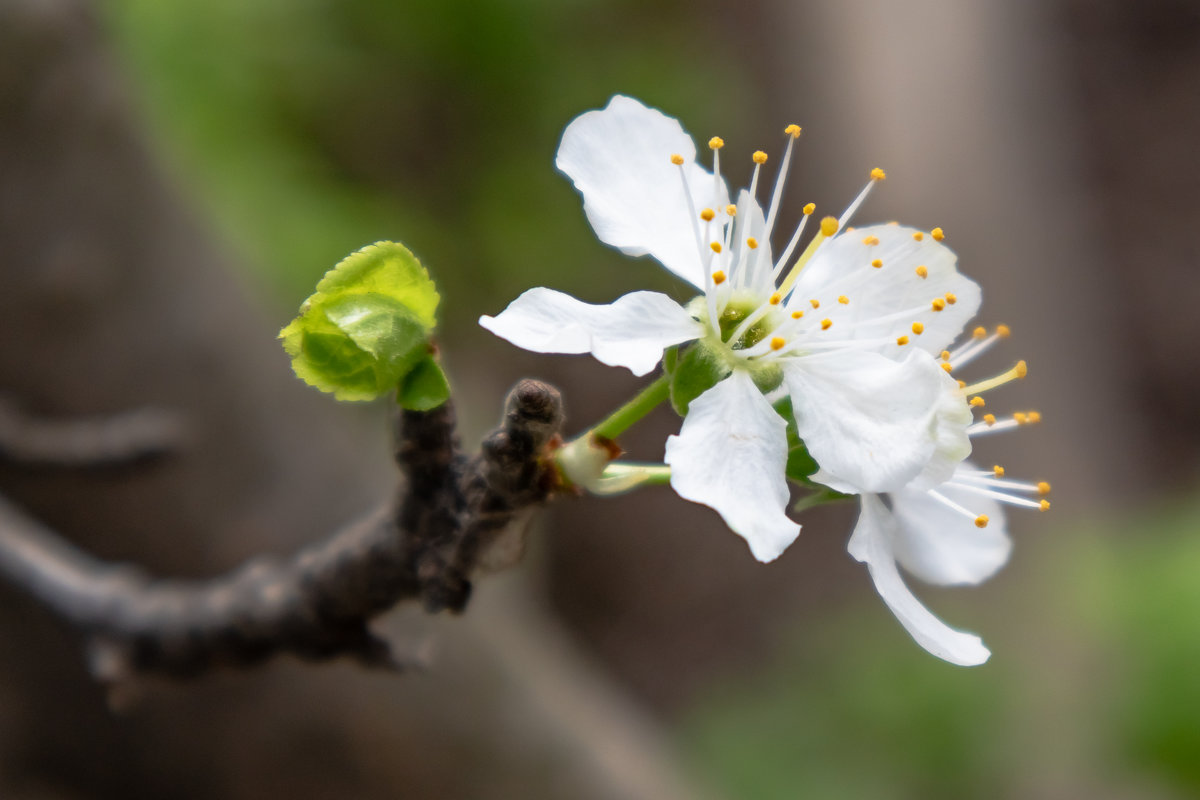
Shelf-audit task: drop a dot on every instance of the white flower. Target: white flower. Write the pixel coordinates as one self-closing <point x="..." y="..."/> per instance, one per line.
<point x="950" y="534"/>
<point x="842" y="328"/>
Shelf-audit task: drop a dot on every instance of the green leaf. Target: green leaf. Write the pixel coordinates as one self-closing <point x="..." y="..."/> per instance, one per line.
<point x="425" y="387"/>
<point x="699" y="369"/>
<point x="389" y="269"/>
<point x="367" y="326"/>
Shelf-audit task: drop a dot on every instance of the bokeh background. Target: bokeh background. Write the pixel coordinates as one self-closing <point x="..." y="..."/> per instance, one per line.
<point x="174" y="177"/>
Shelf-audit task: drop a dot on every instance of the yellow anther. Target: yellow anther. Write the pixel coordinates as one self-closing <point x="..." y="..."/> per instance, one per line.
<point x="1044" y="505"/>
<point x="677" y="159"/>
<point x="775" y="298"/>
<point x="716" y="247"/>
<point x="977" y="402"/>
<point x="871" y="241"/>
<point x="1034" y="416"/>
<point x="946" y="365"/>
<point x="938" y="234"/>
<point x="716" y="143"/>
<point x="918" y="236"/>
<point x="797" y="314"/>
<point x="990" y="419"/>
<point x="998" y="471"/>
<point x="902" y="340"/>
<point x="731" y="210"/>
<point x="877" y="263"/>
<point x="1021" y="369"/>
<point x="961" y="384"/>
<point x="815" y="303"/>
<point x="938" y="304"/>
<point x="1003" y="332"/>
<point x="918" y="328"/>
<point x="809" y="208"/>
<point x="877" y="174"/>
<point x="843" y="299"/>
<point x="759" y="157"/>
<point x="829" y="226"/>
<point x="777" y="342"/>
<point x="1043" y="487"/>
<point x="981" y="521"/>
<point x="752" y="243"/>
<point x="825" y="324"/>
<point x="792" y="131"/>
<point x="979" y="333"/>
<point x="1020" y="418"/>
<point x="951" y="298"/>
<point x="718" y="277"/>
<point x="945" y="355"/>
<point x="923" y="271"/>
<point x="707" y="215"/>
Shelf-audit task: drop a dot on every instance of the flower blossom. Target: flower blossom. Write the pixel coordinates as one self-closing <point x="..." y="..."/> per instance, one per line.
<point x="952" y="534"/>
<point x="844" y="326"/>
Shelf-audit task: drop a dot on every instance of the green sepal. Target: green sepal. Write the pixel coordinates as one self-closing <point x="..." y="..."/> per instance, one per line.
<point x="767" y="377"/>
<point x="819" y="497"/>
<point x="670" y="359"/>
<point x="801" y="464"/>
<point x="697" y="370"/>
<point x="425" y="387"/>
<point x="367" y="325"/>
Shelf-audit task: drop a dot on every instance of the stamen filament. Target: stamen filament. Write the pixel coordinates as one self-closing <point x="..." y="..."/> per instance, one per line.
<point x="988" y="479"/>
<point x="829" y="227"/>
<point x="791" y="247"/>
<point x="853" y="207"/>
<point x="946" y="501"/>
<point x="780" y="179"/>
<point x="1018" y="371"/>
<point x="691" y="208"/>
<point x="1001" y="496"/>
<point x="972" y="349"/>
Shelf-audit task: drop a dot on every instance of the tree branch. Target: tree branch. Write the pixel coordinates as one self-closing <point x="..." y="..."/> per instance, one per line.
<point x="454" y="517"/>
<point x="102" y="441"/>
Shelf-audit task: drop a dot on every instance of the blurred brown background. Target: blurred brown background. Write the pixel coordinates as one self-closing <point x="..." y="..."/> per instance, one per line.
<point x="173" y="179"/>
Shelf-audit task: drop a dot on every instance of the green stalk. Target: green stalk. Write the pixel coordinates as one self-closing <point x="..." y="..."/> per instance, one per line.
<point x="620" y="477"/>
<point x="642" y="404"/>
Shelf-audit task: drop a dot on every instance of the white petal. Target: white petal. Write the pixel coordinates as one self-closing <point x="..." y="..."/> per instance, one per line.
<point x="872" y="544"/>
<point x="631" y="332"/>
<point x="873" y="424"/>
<point x="730" y="455"/>
<point x="620" y="161"/>
<point x="952" y="416"/>
<point x="940" y="545"/>
<point x="843" y="267"/>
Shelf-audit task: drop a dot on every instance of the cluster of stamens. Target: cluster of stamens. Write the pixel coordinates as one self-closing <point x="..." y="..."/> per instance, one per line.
<point x="737" y="279"/>
<point x="991" y="483"/>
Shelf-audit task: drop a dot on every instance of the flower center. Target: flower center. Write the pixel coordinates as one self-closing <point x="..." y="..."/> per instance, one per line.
<point x="730" y="322"/>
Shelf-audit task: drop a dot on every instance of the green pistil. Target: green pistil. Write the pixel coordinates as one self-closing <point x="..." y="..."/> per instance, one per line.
<point x="733" y="316"/>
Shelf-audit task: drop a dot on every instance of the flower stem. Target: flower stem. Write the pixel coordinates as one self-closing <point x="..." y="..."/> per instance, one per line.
<point x="622" y="476"/>
<point x="642" y="404"/>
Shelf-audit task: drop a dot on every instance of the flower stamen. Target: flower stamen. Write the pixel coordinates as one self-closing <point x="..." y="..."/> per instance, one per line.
<point x="1018" y="371"/>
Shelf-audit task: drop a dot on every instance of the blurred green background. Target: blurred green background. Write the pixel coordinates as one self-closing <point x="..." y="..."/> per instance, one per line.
<point x="304" y="129"/>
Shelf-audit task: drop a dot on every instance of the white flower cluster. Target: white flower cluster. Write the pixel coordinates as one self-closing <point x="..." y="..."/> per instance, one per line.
<point x="853" y="331"/>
